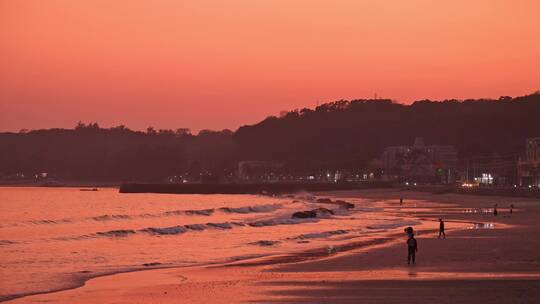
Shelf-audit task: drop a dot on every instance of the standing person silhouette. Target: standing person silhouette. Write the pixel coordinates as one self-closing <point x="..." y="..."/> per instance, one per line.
<point x="511" y="208"/>
<point x="401" y="201"/>
<point x="412" y="247"/>
<point x="441" y="229"/>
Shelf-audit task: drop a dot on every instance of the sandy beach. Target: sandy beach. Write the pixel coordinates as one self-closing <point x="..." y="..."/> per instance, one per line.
<point x="483" y="259"/>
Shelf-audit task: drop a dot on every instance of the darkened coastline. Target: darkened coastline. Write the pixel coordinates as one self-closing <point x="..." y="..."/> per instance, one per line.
<point x="347" y="137"/>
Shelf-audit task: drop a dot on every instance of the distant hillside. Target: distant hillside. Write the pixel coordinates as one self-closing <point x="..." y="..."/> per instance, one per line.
<point x="92" y="153"/>
<point x="351" y="133"/>
<point x="337" y="135"/>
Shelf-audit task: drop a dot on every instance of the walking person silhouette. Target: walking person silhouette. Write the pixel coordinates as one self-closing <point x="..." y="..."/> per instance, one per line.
<point x="441" y="229"/>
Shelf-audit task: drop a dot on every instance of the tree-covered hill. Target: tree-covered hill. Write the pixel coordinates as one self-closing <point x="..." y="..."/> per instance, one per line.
<point x="336" y="135"/>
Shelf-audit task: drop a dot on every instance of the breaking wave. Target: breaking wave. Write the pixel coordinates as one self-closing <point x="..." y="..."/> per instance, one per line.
<point x="319" y="235"/>
<point x="252" y="209"/>
<point x="283" y="221"/>
<point x="201" y="212"/>
<point x="116" y="233"/>
<point x="166" y="230"/>
<point x="265" y="243"/>
<point x="48" y="222"/>
<point x="107" y="217"/>
<point x="180" y="229"/>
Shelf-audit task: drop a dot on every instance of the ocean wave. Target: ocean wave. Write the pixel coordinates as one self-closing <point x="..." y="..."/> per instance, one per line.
<point x="283" y="221"/>
<point x="206" y="212"/>
<point x="180" y="229"/>
<point x="108" y="217"/>
<point x="200" y="212"/>
<point x="198" y="227"/>
<point x="318" y="235"/>
<point x="252" y="209"/>
<point x="6" y="242"/>
<point x="265" y="243"/>
<point x="306" y="196"/>
<point x="116" y="233"/>
<point x="49" y="222"/>
<point x="225" y="225"/>
<point x="166" y="230"/>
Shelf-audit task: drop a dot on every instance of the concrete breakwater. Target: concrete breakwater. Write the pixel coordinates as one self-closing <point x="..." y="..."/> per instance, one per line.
<point x="255" y="188"/>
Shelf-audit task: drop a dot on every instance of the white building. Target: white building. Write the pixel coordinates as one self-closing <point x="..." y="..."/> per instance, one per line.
<point x="529" y="166"/>
<point x="421" y="162"/>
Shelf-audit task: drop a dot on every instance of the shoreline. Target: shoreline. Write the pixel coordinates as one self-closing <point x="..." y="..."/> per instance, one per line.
<point x="305" y="262"/>
<point x="271" y="189"/>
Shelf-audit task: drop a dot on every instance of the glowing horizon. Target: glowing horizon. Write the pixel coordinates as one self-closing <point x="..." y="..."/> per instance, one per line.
<point x="215" y="64"/>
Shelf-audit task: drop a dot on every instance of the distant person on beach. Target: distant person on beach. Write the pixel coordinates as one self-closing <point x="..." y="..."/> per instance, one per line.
<point x="401" y="201"/>
<point x="511" y="208"/>
<point x="495" y="212"/>
<point x="441" y="229"/>
<point x="412" y="247"/>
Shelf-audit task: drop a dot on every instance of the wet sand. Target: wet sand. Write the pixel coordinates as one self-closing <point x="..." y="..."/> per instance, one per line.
<point x="495" y="261"/>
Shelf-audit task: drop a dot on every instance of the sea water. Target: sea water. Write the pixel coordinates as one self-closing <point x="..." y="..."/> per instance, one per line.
<point x="55" y="238"/>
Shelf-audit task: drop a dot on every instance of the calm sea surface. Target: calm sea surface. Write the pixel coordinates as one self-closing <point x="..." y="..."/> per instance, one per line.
<point x="54" y="238"/>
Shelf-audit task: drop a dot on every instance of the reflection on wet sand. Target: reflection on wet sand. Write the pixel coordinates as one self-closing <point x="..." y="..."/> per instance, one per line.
<point x="482" y="226"/>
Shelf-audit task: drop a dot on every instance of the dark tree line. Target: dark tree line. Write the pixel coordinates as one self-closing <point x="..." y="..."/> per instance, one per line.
<point x="338" y="135"/>
<point x="348" y="134"/>
<point x="89" y="152"/>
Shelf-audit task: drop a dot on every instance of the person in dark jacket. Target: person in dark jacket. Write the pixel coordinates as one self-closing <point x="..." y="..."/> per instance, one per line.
<point x="441" y="229"/>
<point x="412" y="247"/>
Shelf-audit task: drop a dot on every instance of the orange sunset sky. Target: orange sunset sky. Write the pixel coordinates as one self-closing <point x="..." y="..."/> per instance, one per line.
<point x="221" y="64"/>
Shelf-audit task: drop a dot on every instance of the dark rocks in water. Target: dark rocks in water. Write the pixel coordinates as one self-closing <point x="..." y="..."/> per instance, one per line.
<point x="305" y="214"/>
<point x="324" y="201"/>
<point x="151" y="264"/>
<point x="323" y="211"/>
<point x="340" y="203"/>
<point x="312" y="213"/>
<point x="345" y="204"/>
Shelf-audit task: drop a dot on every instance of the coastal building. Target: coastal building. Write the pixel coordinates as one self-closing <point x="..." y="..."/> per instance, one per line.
<point x="529" y="166"/>
<point x="494" y="170"/>
<point x="420" y="162"/>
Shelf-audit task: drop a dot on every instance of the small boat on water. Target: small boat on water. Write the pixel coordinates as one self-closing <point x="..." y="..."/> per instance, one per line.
<point x="89" y="189"/>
